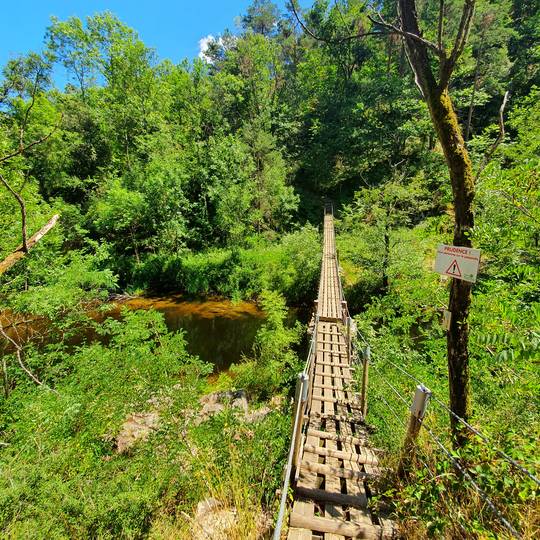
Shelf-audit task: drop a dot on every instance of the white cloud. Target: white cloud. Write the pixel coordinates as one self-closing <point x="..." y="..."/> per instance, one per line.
<point x="203" y="46"/>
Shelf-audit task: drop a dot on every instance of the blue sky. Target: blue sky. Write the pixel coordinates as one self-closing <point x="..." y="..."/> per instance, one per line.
<point x="173" y="28"/>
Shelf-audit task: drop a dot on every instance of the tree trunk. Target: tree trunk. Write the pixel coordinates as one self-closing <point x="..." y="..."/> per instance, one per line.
<point x="462" y="179"/>
<point x="446" y="125"/>
<point x="22" y="205"/>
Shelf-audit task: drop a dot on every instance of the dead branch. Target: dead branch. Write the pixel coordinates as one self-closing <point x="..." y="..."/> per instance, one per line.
<point x="19" y="253"/>
<point x="489" y="154"/>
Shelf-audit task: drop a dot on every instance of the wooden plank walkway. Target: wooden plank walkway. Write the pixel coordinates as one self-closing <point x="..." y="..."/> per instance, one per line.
<point x="331" y="491"/>
<point x="329" y="299"/>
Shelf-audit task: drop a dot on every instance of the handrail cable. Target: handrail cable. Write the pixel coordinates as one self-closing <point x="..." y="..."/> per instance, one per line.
<point x="477" y="488"/>
<point x="456" y="463"/>
<point x="486" y="440"/>
<point x="284" y="493"/>
<point x="482" y="494"/>
<point x="297" y="419"/>
<point x="392" y="387"/>
<point x="424" y="463"/>
<point x="501" y="453"/>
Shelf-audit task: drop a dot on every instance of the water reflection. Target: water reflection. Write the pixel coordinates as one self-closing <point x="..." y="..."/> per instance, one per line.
<point x="218" y="331"/>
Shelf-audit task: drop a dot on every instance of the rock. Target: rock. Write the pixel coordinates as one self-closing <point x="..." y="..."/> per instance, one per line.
<point x="208" y="505"/>
<point x="136" y="427"/>
<point x="259" y="414"/>
<point x="212" y="521"/>
<point x="265" y="523"/>
<point x="212" y="408"/>
<point x="216" y="402"/>
<point x="241" y="403"/>
<point x="277" y="402"/>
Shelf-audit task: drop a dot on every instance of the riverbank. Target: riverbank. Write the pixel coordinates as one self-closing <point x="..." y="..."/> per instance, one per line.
<point x="62" y="439"/>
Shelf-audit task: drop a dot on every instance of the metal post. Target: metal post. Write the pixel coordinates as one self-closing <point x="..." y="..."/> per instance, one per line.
<point x="365" y="378"/>
<point x="418" y="410"/>
<point x="343" y="310"/>
<point x="300" y="395"/>
<point x="349" y="344"/>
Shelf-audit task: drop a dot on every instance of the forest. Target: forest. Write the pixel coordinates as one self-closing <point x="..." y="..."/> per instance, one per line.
<point x="419" y="120"/>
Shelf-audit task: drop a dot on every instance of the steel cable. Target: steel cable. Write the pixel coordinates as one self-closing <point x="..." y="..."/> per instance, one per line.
<point x="484" y="438"/>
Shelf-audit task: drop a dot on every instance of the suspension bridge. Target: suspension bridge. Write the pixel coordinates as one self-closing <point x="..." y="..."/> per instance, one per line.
<point x="331" y="465"/>
<point x="330" y="461"/>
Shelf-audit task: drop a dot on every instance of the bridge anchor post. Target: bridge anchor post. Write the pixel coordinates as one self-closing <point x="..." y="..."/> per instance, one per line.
<point x="365" y="378"/>
<point x="418" y="410"/>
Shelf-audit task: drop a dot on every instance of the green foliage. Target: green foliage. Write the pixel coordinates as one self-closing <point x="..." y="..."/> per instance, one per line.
<point x="60" y="446"/>
<point x="290" y="267"/>
<point x="200" y="178"/>
<point x="275" y="364"/>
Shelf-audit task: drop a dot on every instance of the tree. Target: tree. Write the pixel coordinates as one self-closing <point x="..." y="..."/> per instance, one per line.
<point x="72" y="44"/>
<point x="524" y="46"/>
<point x="261" y="17"/>
<point x="489" y="64"/>
<point x="435" y="90"/>
<point x="25" y="79"/>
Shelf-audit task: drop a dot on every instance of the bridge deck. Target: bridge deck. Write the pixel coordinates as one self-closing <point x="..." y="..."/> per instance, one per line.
<point x="330" y="495"/>
<point x="329" y="299"/>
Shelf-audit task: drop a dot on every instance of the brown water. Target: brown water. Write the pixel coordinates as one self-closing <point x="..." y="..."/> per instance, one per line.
<point x="218" y="331"/>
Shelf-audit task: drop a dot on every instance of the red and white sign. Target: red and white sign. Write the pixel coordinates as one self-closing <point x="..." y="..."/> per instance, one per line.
<point x="458" y="262"/>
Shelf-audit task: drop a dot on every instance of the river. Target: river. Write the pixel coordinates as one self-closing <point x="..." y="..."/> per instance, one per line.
<point x="218" y="331"/>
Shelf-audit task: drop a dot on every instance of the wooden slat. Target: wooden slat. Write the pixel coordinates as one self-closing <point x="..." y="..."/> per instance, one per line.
<point x="325" y="435"/>
<point x="337" y="526"/>
<point x="328" y="470"/>
<point x="351" y="457"/>
<point x="336" y="497"/>
<point x="299" y="534"/>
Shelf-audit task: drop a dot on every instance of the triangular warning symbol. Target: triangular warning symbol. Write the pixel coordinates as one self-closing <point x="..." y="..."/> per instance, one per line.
<point x="453" y="269"/>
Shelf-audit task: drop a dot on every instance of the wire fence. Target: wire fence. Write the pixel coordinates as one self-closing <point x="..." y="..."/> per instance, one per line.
<point x="392" y="398"/>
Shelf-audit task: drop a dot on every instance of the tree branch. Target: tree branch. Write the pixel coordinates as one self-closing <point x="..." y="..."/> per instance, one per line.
<point x="447" y="67"/>
<point x="489" y="154"/>
<point x="32" y="144"/>
<point x="27" y="112"/>
<point x="26" y="369"/>
<point x="335" y="41"/>
<point x="395" y="30"/>
<point x="516" y="204"/>
<point x="22" y="205"/>
<point x="440" y="25"/>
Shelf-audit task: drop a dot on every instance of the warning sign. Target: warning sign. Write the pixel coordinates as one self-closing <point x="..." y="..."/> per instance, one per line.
<point x="457" y="262"/>
<point x="453" y="269"/>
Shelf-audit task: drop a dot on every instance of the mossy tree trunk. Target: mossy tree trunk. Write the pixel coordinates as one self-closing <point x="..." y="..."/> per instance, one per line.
<point x="446" y="124"/>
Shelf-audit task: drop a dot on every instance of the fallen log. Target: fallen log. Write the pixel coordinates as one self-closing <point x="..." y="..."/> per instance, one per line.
<point x="19" y="253"/>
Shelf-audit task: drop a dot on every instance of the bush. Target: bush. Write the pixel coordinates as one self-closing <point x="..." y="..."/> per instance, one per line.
<point x="275" y="364"/>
